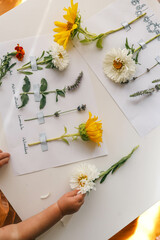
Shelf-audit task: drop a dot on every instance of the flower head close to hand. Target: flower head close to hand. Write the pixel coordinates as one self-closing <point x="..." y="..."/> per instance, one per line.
<point x="119" y="66"/>
<point x="60" y="56"/>
<point x="83" y="178"/>
<point x="67" y="30"/>
<point x="20" y="52"/>
<point x="91" y="130"/>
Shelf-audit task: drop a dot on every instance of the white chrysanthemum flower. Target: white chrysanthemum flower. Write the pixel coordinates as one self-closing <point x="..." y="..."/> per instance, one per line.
<point x="119" y="66"/>
<point x="83" y="178"/>
<point x="60" y="56"/>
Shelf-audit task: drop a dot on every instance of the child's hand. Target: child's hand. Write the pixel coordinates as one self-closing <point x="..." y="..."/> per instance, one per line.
<point x="4" y="158"/>
<point x="70" y="202"/>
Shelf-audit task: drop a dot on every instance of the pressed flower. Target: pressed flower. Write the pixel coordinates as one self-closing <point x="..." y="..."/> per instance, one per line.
<point x="89" y="131"/>
<point x="83" y="178"/>
<point x="20" y="52"/>
<point x="119" y="66"/>
<point x="73" y="27"/>
<point x="64" y="30"/>
<point x="60" y="56"/>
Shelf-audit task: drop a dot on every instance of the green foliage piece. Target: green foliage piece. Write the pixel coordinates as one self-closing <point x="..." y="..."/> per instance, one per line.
<point x="99" y="43"/>
<point x="24" y="100"/>
<point x="117" y="165"/>
<point x="65" y="140"/>
<point x="26" y="72"/>
<point x="42" y="102"/>
<point x="44" y="85"/>
<point x="27" y="85"/>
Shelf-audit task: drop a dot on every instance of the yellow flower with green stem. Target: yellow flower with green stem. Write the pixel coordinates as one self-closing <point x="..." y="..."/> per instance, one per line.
<point x="72" y="27"/>
<point x="89" y="131"/>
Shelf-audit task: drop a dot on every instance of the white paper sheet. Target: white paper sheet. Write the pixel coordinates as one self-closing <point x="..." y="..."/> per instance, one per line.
<point x="142" y="112"/>
<point x="19" y="133"/>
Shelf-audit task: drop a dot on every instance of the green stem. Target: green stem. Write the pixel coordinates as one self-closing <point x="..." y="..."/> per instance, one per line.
<point x="29" y="65"/>
<point x="150" y="40"/>
<point x="94" y="37"/>
<point x="39" y="92"/>
<point x="148" y="70"/>
<point x="55" y="139"/>
<point x="51" y="115"/>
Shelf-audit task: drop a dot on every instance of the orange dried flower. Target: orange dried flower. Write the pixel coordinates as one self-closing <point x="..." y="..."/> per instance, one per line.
<point x="20" y="52"/>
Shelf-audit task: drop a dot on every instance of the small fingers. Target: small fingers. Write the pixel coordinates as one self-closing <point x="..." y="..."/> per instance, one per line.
<point x="73" y="193"/>
<point x="4" y="161"/>
<point x="80" y="198"/>
<point x="4" y="155"/>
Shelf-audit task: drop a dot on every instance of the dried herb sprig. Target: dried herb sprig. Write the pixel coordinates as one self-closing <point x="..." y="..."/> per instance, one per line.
<point x="116" y="166"/>
<point x="146" y="91"/>
<point x="43" y="91"/>
<point x="5" y="65"/>
<point x="58" y="113"/>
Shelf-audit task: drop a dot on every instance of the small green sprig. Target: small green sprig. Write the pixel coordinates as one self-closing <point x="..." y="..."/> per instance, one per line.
<point x="58" y="113"/>
<point x="43" y="91"/>
<point x="135" y="52"/>
<point x="42" y="60"/>
<point x="5" y="65"/>
<point x="146" y="91"/>
<point x="116" y="166"/>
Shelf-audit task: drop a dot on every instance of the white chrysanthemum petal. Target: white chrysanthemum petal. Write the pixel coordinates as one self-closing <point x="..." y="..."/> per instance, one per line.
<point x="60" y="56"/>
<point x="83" y="178"/>
<point x="124" y="73"/>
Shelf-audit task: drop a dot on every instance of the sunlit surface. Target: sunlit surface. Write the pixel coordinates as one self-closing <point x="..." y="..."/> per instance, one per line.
<point x="148" y="227"/>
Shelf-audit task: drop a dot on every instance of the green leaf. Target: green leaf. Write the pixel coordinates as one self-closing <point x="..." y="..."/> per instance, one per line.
<point x="65" y="130"/>
<point x="24" y="100"/>
<point x="27" y="85"/>
<point x="60" y="92"/>
<point x="42" y="54"/>
<point x="126" y="44"/>
<point x="65" y="140"/>
<point x="104" y="177"/>
<point x="44" y="85"/>
<point x="25" y="72"/>
<point x="99" y="43"/>
<point x="39" y="68"/>
<point x="42" y="102"/>
<point x="11" y="66"/>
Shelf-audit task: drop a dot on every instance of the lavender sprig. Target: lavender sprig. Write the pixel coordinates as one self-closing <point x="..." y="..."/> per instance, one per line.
<point x="76" y="84"/>
<point x="146" y="91"/>
<point x="58" y="113"/>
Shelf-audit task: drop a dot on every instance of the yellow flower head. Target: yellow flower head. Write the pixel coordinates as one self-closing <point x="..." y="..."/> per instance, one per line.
<point x="91" y="130"/>
<point x="64" y="30"/>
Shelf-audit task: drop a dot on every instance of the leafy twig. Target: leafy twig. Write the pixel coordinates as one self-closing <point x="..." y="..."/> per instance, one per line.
<point x="5" y="65"/>
<point x="146" y="91"/>
<point x="44" y="92"/>
<point x="115" y="166"/>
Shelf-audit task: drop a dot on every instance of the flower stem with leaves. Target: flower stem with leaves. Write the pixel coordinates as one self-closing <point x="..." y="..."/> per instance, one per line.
<point x="43" y="91"/>
<point x="89" y="37"/>
<point x="42" y="60"/>
<point x="149" y="91"/>
<point x="115" y="166"/>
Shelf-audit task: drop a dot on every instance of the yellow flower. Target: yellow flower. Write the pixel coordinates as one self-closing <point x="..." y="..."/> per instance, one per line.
<point x="91" y="130"/>
<point x="65" y="29"/>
